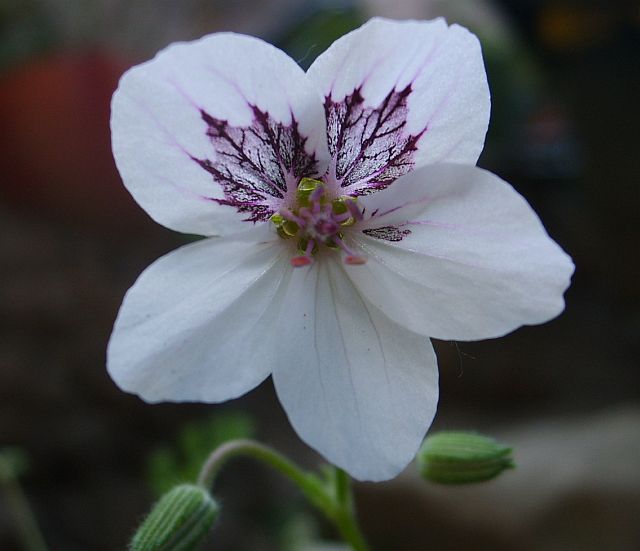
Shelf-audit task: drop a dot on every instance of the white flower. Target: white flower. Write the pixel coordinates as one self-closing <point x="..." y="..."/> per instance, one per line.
<point x="366" y="164"/>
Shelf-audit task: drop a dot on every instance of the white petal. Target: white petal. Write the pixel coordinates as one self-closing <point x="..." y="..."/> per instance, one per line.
<point x="446" y="109"/>
<point x="356" y="387"/>
<point x="198" y="323"/>
<point x="215" y="119"/>
<point x="475" y="262"/>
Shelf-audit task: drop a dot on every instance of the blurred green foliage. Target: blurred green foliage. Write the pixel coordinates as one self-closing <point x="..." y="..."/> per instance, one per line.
<point x="181" y="462"/>
<point x="25" y="30"/>
<point x="313" y="34"/>
<point x="14" y="462"/>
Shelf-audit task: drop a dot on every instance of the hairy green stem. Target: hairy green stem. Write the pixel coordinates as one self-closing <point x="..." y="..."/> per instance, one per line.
<point x="255" y="450"/>
<point x="336" y="502"/>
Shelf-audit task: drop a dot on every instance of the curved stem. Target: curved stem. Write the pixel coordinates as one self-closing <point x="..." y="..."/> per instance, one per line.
<point x="335" y="503"/>
<point x="250" y="448"/>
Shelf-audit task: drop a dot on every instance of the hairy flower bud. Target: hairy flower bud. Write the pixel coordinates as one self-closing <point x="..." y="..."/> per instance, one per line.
<point x="458" y="457"/>
<point x="178" y="522"/>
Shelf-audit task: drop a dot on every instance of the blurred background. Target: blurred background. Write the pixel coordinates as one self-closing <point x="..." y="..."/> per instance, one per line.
<point x="565" y="82"/>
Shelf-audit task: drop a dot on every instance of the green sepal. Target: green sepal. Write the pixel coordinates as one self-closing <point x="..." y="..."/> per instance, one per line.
<point x="179" y="521"/>
<point x="457" y="457"/>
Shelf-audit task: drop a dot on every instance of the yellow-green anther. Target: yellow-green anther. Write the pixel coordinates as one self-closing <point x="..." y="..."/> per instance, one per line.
<point x="277" y="219"/>
<point x="281" y="233"/>
<point x="339" y="206"/>
<point x="180" y="521"/>
<point x="305" y="188"/>
<point x="316" y="218"/>
<point x="458" y="457"/>
<point x="289" y="228"/>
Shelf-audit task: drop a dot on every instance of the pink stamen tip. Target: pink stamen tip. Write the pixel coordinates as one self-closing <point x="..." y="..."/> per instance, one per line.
<point x="354" y="260"/>
<point x="299" y="261"/>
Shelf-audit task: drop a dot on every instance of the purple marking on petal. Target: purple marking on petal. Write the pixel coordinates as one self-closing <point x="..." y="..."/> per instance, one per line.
<point x="258" y="164"/>
<point x="369" y="146"/>
<point x="387" y="233"/>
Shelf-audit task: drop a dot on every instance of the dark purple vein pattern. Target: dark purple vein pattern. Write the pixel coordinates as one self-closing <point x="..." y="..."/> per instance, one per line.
<point x="387" y="233"/>
<point x="369" y="146"/>
<point x="255" y="165"/>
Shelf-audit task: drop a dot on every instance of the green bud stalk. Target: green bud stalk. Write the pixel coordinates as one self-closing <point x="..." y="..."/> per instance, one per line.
<point x="180" y="521"/>
<point x="458" y="457"/>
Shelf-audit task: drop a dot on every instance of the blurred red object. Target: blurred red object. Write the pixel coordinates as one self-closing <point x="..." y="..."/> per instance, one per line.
<point x="56" y="151"/>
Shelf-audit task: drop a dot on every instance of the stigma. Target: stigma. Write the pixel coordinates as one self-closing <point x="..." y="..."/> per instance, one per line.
<point x="318" y="221"/>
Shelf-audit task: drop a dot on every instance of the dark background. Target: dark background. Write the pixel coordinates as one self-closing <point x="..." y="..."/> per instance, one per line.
<point x="565" y="82"/>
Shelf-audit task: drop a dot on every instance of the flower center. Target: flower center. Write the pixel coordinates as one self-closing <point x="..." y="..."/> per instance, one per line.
<point x="318" y="221"/>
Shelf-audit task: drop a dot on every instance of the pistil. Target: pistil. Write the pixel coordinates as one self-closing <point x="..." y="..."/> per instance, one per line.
<point x="317" y="220"/>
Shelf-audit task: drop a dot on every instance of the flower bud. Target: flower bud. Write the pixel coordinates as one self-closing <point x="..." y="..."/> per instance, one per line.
<point x="458" y="457"/>
<point x="179" y="521"/>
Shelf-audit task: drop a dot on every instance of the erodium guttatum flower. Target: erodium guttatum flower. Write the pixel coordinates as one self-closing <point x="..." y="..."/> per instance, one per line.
<point x="346" y="223"/>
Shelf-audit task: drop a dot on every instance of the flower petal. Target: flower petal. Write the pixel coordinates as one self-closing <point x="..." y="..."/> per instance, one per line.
<point x="214" y="127"/>
<point x="454" y="252"/>
<point x="197" y="325"/>
<point x="356" y="387"/>
<point x="400" y="95"/>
